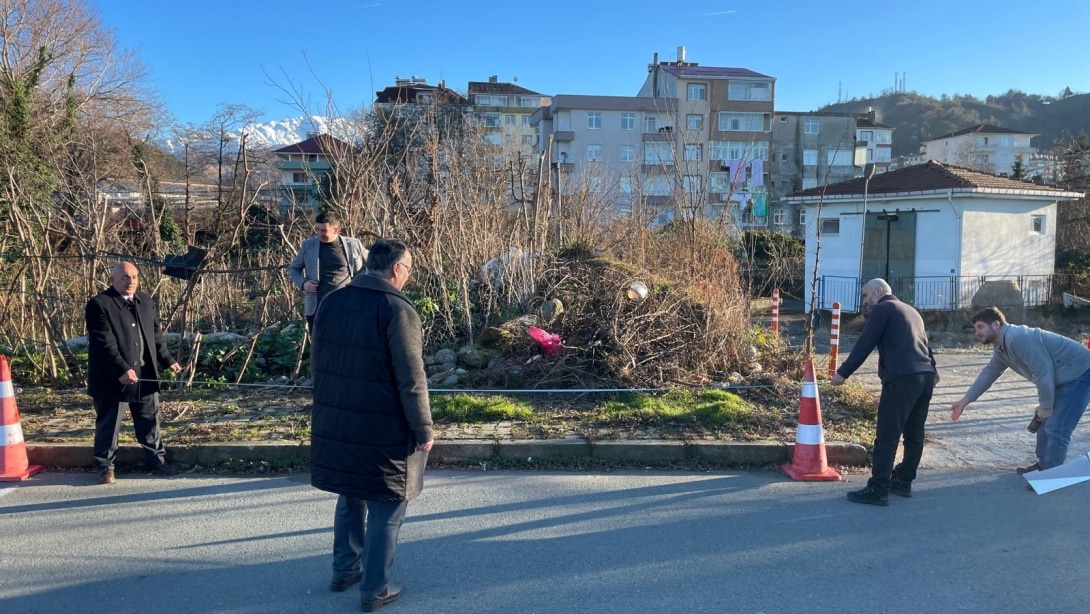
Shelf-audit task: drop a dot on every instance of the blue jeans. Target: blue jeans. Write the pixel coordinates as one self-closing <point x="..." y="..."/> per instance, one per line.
<point x="364" y="538"/>
<point x="1054" y="436"/>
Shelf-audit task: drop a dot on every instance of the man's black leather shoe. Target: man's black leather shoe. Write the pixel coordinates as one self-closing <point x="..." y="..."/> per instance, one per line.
<point x="387" y="596"/>
<point x="342" y="584"/>
<point x="1024" y="470"/>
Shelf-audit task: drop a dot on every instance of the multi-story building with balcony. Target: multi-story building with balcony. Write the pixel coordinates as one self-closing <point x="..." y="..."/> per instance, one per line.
<point x="723" y="131"/>
<point x="503" y="112"/>
<point x="877" y="139"/>
<point x="983" y="148"/>
<point x="809" y="150"/>
<point x="694" y="140"/>
<point x="303" y="167"/>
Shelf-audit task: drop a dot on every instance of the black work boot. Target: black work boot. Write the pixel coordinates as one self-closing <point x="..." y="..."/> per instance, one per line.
<point x="870" y="496"/>
<point x="899" y="487"/>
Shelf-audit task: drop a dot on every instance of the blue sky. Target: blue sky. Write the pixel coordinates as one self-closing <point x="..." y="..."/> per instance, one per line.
<point x="200" y="53"/>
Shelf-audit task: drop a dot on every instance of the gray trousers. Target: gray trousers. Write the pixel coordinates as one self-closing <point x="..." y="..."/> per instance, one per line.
<point x="365" y="538"/>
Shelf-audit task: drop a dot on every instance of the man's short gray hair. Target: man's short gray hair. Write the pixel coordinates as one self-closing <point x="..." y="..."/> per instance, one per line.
<point x="879" y="287"/>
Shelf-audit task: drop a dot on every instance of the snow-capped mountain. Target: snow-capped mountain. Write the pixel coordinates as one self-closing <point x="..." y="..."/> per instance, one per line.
<point x="277" y="133"/>
<point x="280" y="132"/>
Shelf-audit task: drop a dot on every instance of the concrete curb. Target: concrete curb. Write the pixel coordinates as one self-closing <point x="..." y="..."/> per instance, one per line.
<point x="78" y="455"/>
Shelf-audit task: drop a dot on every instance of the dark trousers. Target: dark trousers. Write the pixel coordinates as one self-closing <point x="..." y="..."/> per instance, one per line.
<point x="145" y="421"/>
<point x="902" y="410"/>
<point x="365" y="536"/>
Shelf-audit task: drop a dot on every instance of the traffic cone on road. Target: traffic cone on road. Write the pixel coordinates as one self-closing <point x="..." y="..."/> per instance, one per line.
<point x="13" y="461"/>
<point x="810" y="463"/>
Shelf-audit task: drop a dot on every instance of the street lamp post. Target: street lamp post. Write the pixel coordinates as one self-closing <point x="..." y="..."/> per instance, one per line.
<point x="868" y="172"/>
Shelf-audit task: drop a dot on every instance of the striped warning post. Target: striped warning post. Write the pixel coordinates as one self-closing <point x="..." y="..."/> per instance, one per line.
<point x="13" y="461"/>
<point x="810" y="464"/>
<point x="834" y="337"/>
<point x="775" y="310"/>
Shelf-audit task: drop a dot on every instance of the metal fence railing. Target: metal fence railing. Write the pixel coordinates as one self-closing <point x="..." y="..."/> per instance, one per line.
<point x="952" y="293"/>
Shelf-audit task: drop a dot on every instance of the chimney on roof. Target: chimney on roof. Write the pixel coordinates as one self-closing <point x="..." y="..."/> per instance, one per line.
<point x="681" y="55"/>
<point x="494" y="79"/>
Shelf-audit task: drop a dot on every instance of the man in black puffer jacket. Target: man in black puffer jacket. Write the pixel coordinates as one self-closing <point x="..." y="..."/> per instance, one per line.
<point x="371" y="427"/>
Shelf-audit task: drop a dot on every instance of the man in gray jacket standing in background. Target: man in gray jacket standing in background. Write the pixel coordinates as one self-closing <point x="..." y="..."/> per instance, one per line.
<point x="325" y="262"/>
<point x="1058" y="366"/>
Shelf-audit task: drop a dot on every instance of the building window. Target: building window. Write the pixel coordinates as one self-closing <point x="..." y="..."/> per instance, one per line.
<point x="649" y="124"/>
<point x="483" y="99"/>
<point x="738" y="150"/>
<point x="809" y="182"/>
<point x="693" y="184"/>
<point x="692" y="153"/>
<point x="694" y="122"/>
<point x="1038" y="224"/>
<point x="624" y="183"/>
<point x="783" y="119"/>
<point x="491" y="120"/>
<point x="749" y="90"/>
<point x="866" y="135"/>
<point x="527" y="139"/>
<point x="594" y="121"/>
<point x="628" y="121"/>
<point x="300" y="178"/>
<point x="841" y="157"/>
<point x="698" y="91"/>
<point x="882" y="137"/>
<point x="525" y="120"/>
<point x="780" y="217"/>
<point x="809" y="157"/>
<point x="527" y="101"/>
<point x="784" y="157"/>
<point x="811" y="126"/>
<point x="802" y="217"/>
<point x="658" y="153"/>
<point x="882" y="154"/>
<point x="628" y="153"/>
<point x="594" y="153"/>
<point x="509" y="120"/>
<point x="745" y="122"/>
<point x="830" y="227"/>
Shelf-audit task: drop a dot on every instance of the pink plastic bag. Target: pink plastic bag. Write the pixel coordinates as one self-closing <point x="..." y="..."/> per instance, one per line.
<point x="550" y="343"/>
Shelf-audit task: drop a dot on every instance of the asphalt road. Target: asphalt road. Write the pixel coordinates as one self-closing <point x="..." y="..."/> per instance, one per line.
<point x="724" y="542"/>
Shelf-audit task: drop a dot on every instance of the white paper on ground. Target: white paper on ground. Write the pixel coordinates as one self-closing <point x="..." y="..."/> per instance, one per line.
<point x="1072" y="472"/>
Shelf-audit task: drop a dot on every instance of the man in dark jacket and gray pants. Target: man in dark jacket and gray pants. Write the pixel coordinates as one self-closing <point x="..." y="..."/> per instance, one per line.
<point x="907" y="370"/>
<point x="371" y="420"/>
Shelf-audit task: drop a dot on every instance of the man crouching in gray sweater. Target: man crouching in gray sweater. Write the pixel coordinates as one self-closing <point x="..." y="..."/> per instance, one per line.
<point x="1057" y="365"/>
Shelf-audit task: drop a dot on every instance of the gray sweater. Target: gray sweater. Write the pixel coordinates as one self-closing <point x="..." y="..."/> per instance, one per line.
<point x="1046" y="359"/>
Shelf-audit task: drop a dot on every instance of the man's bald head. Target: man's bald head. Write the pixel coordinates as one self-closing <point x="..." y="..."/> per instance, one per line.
<point x="125" y="278"/>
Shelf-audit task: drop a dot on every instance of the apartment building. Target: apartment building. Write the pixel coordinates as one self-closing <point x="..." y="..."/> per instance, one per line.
<point x="983" y="148"/>
<point x="809" y="150"/>
<point x="694" y="140"/>
<point x="877" y="139"/>
<point x="303" y="167"/>
<point x="503" y="112"/>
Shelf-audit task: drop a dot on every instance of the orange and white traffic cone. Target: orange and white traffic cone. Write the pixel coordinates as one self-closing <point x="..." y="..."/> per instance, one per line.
<point x="810" y="463"/>
<point x="13" y="461"/>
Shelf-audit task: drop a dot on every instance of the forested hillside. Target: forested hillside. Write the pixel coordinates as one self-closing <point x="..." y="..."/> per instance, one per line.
<point x="916" y="117"/>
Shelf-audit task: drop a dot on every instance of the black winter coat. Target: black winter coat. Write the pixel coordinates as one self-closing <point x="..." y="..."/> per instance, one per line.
<point x="371" y="404"/>
<point x="114" y="346"/>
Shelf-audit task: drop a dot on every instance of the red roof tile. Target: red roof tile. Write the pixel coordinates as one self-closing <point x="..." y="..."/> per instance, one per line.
<point x="933" y="175"/>
<point x="319" y="144"/>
